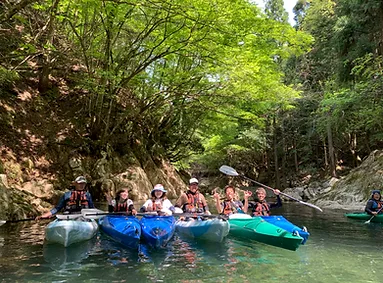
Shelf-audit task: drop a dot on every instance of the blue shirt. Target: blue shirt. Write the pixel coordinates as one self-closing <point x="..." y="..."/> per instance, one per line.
<point x="65" y="198"/>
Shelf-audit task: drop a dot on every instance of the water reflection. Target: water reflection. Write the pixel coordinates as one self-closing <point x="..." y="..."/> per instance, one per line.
<point x="59" y="257"/>
<point x="338" y="250"/>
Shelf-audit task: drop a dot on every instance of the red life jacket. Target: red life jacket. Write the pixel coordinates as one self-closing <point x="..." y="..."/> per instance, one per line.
<point x="194" y="203"/>
<point x="261" y="209"/>
<point x="229" y="207"/>
<point x="77" y="201"/>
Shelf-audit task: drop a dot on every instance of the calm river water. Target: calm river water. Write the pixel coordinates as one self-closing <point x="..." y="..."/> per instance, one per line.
<point x="338" y="250"/>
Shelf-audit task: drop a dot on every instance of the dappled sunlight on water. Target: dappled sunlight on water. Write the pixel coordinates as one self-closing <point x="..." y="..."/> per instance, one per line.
<point x="338" y="250"/>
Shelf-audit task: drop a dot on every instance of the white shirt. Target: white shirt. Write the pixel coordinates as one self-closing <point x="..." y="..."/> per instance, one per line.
<point x="160" y="204"/>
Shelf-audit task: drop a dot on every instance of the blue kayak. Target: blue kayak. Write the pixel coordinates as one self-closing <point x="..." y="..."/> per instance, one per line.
<point x="157" y="230"/>
<point x="283" y="223"/>
<point x="123" y="229"/>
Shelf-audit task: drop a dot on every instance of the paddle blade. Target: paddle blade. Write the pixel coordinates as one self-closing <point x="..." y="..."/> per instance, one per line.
<point x="311" y="205"/>
<point x="2" y="222"/>
<point x="228" y="170"/>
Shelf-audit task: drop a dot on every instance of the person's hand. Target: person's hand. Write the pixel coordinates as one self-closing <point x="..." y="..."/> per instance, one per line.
<point x="216" y="196"/>
<point x="134" y="212"/>
<point x="149" y="208"/>
<point x="208" y="212"/>
<point x="276" y="192"/>
<point x="374" y="212"/>
<point x="45" y="215"/>
<point x="248" y="194"/>
<point x="108" y="197"/>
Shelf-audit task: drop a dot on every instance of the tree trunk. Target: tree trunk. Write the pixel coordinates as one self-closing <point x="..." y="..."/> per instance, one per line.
<point x="46" y="59"/>
<point x="276" y="164"/>
<point x="331" y="149"/>
<point x="284" y="159"/>
<point x="295" y="155"/>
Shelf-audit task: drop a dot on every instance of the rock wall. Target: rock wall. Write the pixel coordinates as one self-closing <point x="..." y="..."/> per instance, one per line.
<point x="350" y="192"/>
<point x="353" y="191"/>
<point x="29" y="195"/>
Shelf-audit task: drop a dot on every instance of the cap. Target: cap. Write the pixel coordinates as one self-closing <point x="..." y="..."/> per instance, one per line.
<point x="80" y="179"/>
<point x="193" y="181"/>
<point x="159" y="187"/>
<point x="376" y="192"/>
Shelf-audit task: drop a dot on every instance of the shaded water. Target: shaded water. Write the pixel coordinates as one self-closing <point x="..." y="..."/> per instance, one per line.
<point x="338" y="250"/>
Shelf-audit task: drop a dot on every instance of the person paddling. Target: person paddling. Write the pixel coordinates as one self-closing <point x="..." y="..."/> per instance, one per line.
<point x="158" y="202"/>
<point x="121" y="203"/>
<point x="230" y="205"/>
<point x="374" y="204"/>
<point x="261" y="207"/>
<point x="72" y="201"/>
<point x="193" y="201"/>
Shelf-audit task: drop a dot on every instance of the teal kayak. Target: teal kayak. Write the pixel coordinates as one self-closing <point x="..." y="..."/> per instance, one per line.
<point x="365" y="216"/>
<point x="256" y="228"/>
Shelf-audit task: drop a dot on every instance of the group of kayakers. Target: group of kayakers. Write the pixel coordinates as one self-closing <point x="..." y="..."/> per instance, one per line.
<point x="191" y="201"/>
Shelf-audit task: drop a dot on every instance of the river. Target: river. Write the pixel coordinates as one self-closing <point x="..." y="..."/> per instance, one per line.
<point x="338" y="250"/>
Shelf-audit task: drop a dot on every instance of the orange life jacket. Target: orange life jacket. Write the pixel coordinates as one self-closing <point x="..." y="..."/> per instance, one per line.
<point x="194" y="203"/>
<point x="229" y="207"/>
<point x="77" y="201"/>
<point x="157" y="206"/>
<point x="261" y="209"/>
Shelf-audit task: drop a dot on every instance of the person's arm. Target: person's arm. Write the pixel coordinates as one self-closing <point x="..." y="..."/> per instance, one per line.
<point x="54" y="210"/>
<point x="368" y="208"/>
<point x="90" y="201"/>
<point x="218" y="203"/>
<point x="246" y="202"/>
<point x="204" y="203"/>
<point x="132" y="209"/>
<point x="276" y="204"/>
<point x="181" y="200"/>
<point x="145" y="206"/>
<point x="169" y="205"/>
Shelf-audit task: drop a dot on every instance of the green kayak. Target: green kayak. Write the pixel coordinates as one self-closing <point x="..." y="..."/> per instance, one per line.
<point x="365" y="216"/>
<point x="257" y="229"/>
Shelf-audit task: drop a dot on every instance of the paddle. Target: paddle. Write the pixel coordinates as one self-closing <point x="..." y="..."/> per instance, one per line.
<point x="96" y="214"/>
<point x="2" y="222"/>
<point x="231" y="172"/>
<point x="369" y="220"/>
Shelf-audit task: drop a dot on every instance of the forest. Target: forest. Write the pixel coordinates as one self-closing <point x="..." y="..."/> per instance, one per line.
<point x="202" y="83"/>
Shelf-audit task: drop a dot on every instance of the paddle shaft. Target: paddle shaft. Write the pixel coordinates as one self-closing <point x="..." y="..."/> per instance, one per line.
<point x="190" y="215"/>
<point x="19" y="220"/>
<point x="283" y="194"/>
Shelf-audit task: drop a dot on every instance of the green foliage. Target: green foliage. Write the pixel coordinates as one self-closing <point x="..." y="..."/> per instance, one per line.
<point x="8" y="77"/>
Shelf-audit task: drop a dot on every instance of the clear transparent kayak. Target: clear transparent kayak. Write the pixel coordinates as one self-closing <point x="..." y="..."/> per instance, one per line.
<point x="255" y="228"/>
<point x="214" y="230"/>
<point x="122" y="229"/>
<point x="67" y="232"/>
